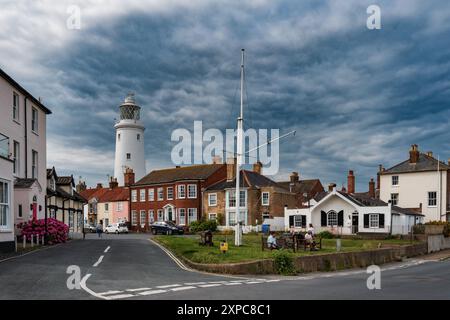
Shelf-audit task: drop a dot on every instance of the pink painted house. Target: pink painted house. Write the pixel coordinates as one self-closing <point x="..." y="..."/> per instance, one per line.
<point x="107" y="205"/>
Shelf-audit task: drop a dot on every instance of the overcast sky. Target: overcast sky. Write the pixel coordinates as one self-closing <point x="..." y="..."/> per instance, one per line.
<point x="356" y="97"/>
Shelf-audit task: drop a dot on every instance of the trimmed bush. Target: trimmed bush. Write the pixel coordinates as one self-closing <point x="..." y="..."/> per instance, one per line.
<point x="284" y="262"/>
<point x="57" y="232"/>
<point x="203" y="225"/>
<point x="326" y="235"/>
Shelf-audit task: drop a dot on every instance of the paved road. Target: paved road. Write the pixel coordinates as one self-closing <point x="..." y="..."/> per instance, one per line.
<point x="132" y="267"/>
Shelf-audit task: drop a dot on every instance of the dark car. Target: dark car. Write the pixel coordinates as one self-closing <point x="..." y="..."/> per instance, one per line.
<point x="166" y="227"/>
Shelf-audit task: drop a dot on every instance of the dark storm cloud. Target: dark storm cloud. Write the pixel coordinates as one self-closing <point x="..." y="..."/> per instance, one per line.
<point x="356" y="97"/>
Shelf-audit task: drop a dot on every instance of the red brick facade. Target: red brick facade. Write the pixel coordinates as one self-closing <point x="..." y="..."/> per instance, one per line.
<point x="175" y="204"/>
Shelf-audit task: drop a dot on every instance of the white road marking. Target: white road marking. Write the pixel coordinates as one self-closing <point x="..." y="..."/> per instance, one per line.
<point x="169" y="286"/>
<point x="146" y="293"/>
<point x="138" y="289"/>
<point x="210" y="285"/>
<point x="121" y="296"/>
<point x="194" y="283"/>
<point x="85" y="288"/>
<point x="253" y="282"/>
<point x="109" y="292"/>
<point x="183" y="288"/>
<point x="232" y="283"/>
<point x="98" y="261"/>
<point x="107" y="249"/>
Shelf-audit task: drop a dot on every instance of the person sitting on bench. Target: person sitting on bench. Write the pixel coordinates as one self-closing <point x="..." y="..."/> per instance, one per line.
<point x="310" y="240"/>
<point x="272" y="241"/>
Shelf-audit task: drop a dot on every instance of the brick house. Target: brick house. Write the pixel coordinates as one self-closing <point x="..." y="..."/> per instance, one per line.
<point x="107" y="205"/>
<point x="305" y="190"/>
<point x="173" y="194"/>
<point x="260" y="198"/>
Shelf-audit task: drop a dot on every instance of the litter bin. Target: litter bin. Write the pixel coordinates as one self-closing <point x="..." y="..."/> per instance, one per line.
<point x="265" y="228"/>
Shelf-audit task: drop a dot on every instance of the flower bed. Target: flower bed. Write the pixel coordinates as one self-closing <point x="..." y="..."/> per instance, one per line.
<point x="57" y="232"/>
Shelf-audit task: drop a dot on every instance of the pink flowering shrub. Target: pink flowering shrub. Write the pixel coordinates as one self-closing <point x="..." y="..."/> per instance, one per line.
<point x="56" y="230"/>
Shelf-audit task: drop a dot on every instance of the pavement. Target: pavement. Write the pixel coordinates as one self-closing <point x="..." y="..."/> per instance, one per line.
<point x="120" y="267"/>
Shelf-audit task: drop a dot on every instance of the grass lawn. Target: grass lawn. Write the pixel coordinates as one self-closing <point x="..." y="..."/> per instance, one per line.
<point x="188" y="247"/>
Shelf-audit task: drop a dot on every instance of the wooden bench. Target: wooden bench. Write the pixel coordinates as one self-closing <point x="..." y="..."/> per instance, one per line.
<point x="294" y="242"/>
<point x="283" y="241"/>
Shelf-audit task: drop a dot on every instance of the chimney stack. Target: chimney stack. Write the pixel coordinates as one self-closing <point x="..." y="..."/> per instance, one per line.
<point x="99" y="186"/>
<point x="430" y="154"/>
<point x="448" y="161"/>
<point x="217" y="160"/>
<point x="414" y="153"/>
<point x="231" y="169"/>
<point x="294" y="177"/>
<point x="380" y="170"/>
<point x="331" y="187"/>
<point x="350" y="182"/>
<point x="257" y="166"/>
<point x="128" y="177"/>
<point x="81" y="186"/>
<point x="372" y="188"/>
<point x="113" y="183"/>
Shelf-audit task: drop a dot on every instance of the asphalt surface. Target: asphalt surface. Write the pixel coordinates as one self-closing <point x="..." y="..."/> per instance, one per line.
<point x="118" y="267"/>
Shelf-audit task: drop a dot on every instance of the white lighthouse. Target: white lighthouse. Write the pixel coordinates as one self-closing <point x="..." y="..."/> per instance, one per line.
<point x="129" y="141"/>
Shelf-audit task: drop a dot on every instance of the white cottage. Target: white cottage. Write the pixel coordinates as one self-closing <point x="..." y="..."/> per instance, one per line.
<point x="346" y="213"/>
<point x="23" y="157"/>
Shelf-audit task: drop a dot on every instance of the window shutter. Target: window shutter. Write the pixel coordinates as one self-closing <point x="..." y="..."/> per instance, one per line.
<point x="341" y="218"/>
<point x="323" y="219"/>
<point x="291" y="221"/>
<point x="366" y="221"/>
<point x="303" y="221"/>
<point x="381" y="220"/>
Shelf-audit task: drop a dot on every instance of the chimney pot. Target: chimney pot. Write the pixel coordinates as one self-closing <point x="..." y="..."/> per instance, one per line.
<point x="113" y="183"/>
<point x="99" y="186"/>
<point x="430" y="153"/>
<point x="231" y="169"/>
<point x="372" y="188"/>
<point x="128" y="177"/>
<point x="350" y="182"/>
<point x="294" y="177"/>
<point x="414" y="154"/>
<point x="257" y="166"/>
<point x="331" y="187"/>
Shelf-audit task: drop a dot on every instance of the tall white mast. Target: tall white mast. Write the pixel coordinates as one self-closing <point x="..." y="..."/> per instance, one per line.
<point x="239" y="153"/>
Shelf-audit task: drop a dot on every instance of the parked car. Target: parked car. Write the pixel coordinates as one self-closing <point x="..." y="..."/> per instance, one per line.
<point x="116" y="228"/>
<point x="166" y="227"/>
<point x="89" y="228"/>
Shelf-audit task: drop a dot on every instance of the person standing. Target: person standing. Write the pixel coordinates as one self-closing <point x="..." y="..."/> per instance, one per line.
<point x="99" y="229"/>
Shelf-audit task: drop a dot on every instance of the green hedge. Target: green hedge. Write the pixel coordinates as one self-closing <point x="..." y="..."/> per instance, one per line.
<point x="203" y="225"/>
